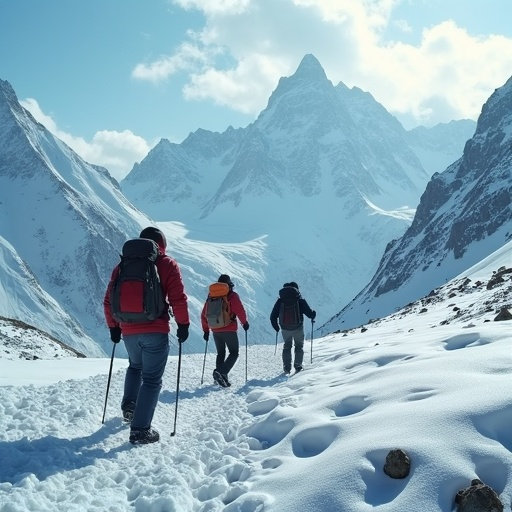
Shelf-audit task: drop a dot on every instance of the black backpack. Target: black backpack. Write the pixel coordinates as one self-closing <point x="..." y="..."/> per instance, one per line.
<point x="136" y="295"/>
<point x="289" y="311"/>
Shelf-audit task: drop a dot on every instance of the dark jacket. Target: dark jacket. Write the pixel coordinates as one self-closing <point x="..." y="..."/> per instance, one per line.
<point x="304" y="310"/>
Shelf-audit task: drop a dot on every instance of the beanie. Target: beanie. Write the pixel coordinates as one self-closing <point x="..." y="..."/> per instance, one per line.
<point x="154" y="234"/>
<point x="224" y="278"/>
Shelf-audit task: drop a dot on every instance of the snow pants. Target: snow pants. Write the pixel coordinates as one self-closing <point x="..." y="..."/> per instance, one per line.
<point x="223" y="340"/>
<point x="295" y="337"/>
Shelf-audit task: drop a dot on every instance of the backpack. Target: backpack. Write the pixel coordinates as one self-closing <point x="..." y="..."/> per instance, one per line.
<point x="289" y="311"/>
<point x="136" y="295"/>
<point x="218" y="309"/>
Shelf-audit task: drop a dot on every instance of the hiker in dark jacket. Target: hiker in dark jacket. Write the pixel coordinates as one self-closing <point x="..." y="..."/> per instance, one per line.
<point x="226" y="337"/>
<point x="288" y="314"/>
<point x="147" y="344"/>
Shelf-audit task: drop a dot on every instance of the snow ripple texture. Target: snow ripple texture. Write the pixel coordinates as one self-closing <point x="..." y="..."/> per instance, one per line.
<point x="54" y="446"/>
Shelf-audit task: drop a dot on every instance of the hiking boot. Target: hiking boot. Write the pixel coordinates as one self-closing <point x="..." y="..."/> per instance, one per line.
<point x="127" y="416"/>
<point x="298" y="369"/>
<point x="287" y="370"/>
<point x="225" y="377"/>
<point x="143" y="435"/>
<point x="128" y="412"/>
<point x="219" y="379"/>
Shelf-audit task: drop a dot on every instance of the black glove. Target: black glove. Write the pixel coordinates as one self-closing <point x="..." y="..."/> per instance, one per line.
<point x="182" y="332"/>
<point x="115" y="334"/>
<point x="313" y="314"/>
<point x="206" y="335"/>
<point x="276" y="327"/>
<point x="246" y="326"/>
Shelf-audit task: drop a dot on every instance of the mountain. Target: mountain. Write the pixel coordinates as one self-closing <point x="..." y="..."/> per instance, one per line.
<point x="63" y="222"/>
<point x="440" y="146"/>
<point x="312" y="191"/>
<point x="312" y="140"/>
<point x="464" y="215"/>
<point x="324" y="175"/>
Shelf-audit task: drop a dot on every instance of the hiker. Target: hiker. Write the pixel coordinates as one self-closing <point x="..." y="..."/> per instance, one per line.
<point x="288" y="313"/>
<point x="147" y="343"/>
<point x="225" y="336"/>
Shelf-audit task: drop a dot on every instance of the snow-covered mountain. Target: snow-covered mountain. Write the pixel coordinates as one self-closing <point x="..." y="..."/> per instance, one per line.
<point x="312" y="140"/>
<point x="63" y="222"/>
<point x="312" y="191"/>
<point x="63" y="225"/>
<point x="464" y="215"/>
<point x="440" y="146"/>
<point x="325" y="175"/>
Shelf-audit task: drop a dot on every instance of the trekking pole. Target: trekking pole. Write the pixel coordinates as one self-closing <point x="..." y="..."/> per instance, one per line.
<point x="108" y="382"/>
<point x="173" y="433"/>
<point x="275" y="351"/>
<point x="312" y="322"/>
<point x="204" y="361"/>
<point x="245" y="356"/>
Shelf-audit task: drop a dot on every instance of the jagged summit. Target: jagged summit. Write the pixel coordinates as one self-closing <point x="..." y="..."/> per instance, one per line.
<point x="310" y="75"/>
<point x="310" y="68"/>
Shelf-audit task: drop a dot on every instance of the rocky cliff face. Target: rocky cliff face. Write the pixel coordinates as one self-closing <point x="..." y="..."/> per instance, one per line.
<point x="464" y="215"/>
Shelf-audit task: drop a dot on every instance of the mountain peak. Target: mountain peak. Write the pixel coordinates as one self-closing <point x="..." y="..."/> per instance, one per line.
<point x="310" y="68"/>
<point x="7" y="93"/>
<point x="309" y="74"/>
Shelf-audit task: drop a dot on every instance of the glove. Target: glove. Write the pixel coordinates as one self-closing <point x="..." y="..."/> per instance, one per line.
<point x="276" y="327"/>
<point x="115" y="334"/>
<point x="206" y="335"/>
<point x="313" y="314"/>
<point x="246" y="326"/>
<point x="182" y="332"/>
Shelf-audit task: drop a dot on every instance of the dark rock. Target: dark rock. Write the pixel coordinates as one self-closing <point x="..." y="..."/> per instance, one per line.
<point x="478" y="497"/>
<point x="504" y="314"/>
<point x="397" y="464"/>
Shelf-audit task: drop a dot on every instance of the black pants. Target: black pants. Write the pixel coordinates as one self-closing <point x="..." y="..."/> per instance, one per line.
<point x="225" y="340"/>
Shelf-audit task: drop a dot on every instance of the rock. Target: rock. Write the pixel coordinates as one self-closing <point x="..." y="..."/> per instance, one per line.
<point x="504" y="314"/>
<point x="478" y="498"/>
<point x="397" y="464"/>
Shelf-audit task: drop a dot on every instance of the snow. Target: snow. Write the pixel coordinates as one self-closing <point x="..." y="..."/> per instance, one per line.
<point x="316" y="441"/>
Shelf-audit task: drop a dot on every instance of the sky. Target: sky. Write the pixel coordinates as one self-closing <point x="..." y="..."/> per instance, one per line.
<point x="111" y="79"/>
<point x="316" y="441"/>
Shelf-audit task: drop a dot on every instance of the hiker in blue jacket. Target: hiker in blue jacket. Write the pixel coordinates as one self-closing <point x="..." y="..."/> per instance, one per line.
<point x="288" y="314"/>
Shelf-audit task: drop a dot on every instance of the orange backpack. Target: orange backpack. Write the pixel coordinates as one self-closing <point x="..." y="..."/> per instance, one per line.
<point x="218" y="310"/>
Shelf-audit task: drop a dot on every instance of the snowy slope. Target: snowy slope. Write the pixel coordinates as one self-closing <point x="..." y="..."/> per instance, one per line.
<point x="432" y="383"/>
<point x="22" y="297"/>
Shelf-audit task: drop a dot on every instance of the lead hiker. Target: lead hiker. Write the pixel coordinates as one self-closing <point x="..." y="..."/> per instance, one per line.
<point x="136" y="305"/>
<point x="220" y="313"/>
<point x="288" y="313"/>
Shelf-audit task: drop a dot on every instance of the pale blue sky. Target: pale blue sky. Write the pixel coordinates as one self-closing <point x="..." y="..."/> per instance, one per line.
<point x="113" y="77"/>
